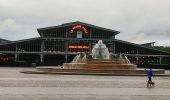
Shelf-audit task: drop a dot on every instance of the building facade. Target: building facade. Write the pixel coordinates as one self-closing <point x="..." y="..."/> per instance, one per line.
<point x="59" y="44"/>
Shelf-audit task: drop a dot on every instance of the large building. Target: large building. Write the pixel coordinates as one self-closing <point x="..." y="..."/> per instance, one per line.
<point x="59" y="44"/>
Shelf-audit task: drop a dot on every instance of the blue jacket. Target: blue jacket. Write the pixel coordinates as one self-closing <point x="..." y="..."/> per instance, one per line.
<point x="149" y="73"/>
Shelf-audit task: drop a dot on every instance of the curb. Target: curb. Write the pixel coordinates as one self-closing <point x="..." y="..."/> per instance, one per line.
<point x="98" y="74"/>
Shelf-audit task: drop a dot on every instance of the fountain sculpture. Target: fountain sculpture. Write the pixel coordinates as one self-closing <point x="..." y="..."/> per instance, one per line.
<point x="100" y="51"/>
<point x="100" y="58"/>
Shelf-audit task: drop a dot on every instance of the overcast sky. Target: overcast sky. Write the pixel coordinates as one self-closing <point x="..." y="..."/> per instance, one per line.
<point x="139" y="21"/>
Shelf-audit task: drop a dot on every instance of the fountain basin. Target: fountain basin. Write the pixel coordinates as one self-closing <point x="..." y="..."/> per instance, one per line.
<point x="98" y="66"/>
<point x="57" y="70"/>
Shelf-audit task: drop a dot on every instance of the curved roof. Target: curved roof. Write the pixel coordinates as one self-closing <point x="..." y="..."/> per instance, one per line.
<point x="77" y="22"/>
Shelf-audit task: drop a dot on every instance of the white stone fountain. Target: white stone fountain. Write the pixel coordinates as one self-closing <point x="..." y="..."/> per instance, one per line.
<point x="101" y="59"/>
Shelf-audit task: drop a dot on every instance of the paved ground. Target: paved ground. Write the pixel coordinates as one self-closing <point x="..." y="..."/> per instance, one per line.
<point x="19" y="86"/>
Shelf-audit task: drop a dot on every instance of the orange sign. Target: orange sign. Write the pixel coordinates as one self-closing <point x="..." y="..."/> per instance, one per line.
<point x="78" y="26"/>
<point x="78" y="47"/>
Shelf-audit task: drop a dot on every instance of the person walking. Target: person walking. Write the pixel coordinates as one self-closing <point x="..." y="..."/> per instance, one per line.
<point x="150" y="74"/>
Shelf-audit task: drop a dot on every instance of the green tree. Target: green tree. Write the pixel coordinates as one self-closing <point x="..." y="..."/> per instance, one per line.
<point x="163" y="48"/>
<point x="167" y="49"/>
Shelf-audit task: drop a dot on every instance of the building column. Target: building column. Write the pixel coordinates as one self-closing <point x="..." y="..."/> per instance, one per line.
<point x="16" y="56"/>
<point x="137" y="58"/>
<point x="42" y="51"/>
<point x="41" y="57"/>
<point x="66" y="56"/>
<point x="90" y="33"/>
<point x="66" y="47"/>
<point x="16" y="52"/>
<point x="66" y="51"/>
<point x="66" y="33"/>
<point x="114" y="49"/>
<point x="90" y="46"/>
<point x="160" y="60"/>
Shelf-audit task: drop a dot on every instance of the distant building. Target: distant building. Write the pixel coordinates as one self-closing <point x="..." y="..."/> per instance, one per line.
<point x="150" y="44"/>
<point x="3" y="41"/>
<point x="59" y="44"/>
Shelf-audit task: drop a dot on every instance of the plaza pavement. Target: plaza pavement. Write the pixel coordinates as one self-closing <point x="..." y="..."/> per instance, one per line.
<point x="18" y="86"/>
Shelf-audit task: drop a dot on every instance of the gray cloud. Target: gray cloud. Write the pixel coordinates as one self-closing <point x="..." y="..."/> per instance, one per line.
<point x="139" y="21"/>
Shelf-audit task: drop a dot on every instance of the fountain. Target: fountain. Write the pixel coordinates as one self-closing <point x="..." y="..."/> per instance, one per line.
<point x="100" y="51"/>
<point x="100" y="61"/>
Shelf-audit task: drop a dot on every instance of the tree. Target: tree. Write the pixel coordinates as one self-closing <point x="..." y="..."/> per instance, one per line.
<point x="163" y="48"/>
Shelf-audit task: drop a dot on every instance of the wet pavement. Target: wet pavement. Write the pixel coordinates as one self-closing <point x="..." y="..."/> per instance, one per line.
<point x="18" y="86"/>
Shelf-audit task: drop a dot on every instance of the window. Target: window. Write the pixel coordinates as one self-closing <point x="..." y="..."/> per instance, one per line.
<point x="79" y="34"/>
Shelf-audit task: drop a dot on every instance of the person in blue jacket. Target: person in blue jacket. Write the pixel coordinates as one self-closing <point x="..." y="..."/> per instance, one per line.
<point x="149" y="74"/>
